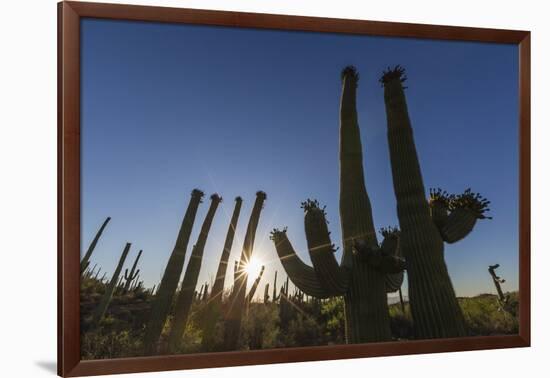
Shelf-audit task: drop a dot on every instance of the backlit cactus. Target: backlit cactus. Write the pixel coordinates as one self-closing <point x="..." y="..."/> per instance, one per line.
<point x="238" y="297"/>
<point x="425" y="226"/>
<point x="185" y="296"/>
<point x="213" y="310"/>
<point x="169" y="283"/>
<point x="266" y="293"/>
<point x="361" y="278"/>
<point x="129" y="277"/>
<point x="252" y="292"/>
<point x="110" y="289"/>
<point x="85" y="262"/>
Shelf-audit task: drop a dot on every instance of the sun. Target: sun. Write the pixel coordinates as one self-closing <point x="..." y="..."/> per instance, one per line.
<point x="253" y="267"/>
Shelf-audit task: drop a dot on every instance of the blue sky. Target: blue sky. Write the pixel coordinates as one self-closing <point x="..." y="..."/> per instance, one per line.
<point x="168" y="108"/>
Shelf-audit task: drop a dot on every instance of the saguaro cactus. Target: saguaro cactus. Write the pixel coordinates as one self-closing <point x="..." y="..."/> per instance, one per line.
<point x="86" y="259"/>
<point x="213" y="310"/>
<point x="238" y="297"/>
<point x="169" y="283"/>
<point x="361" y="278"/>
<point x="497" y="281"/>
<point x="217" y="289"/>
<point x="254" y="287"/>
<point x="275" y="298"/>
<point x="133" y="273"/>
<point x="266" y="293"/>
<point x="425" y="226"/>
<point x="108" y="295"/>
<point x="185" y="296"/>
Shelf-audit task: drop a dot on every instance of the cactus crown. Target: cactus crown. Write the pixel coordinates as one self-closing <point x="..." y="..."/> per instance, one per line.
<point x="390" y="231"/>
<point x="395" y="73"/>
<point x="440" y="197"/>
<point x="197" y="193"/>
<point x="261" y="194"/>
<point x="310" y="204"/>
<point x="277" y="234"/>
<point x="350" y="71"/>
<point x="216" y="197"/>
<point x="239" y="199"/>
<point x="472" y="201"/>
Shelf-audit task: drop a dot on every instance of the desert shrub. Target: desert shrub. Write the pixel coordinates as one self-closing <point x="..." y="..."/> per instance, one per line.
<point x="332" y="319"/>
<point x="105" y="343"/>
<point x="401" y="322"/>
<point x="485" y="316"/>
<point x="260" y="327"/>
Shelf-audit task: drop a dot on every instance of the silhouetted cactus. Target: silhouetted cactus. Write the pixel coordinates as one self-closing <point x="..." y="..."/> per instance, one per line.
<point x="505" y="301"/>
<point x="254" y="287"/>
<point x="167" y="287"/>
<point x="108" y="295"/>
<point x="205" y="293"/>
<point x="425" y="226"/>
<point x="275" y="297"/>
<point x="213" y="310"/>
<point x="85" y="262"/>
<point x="90" y="272"/>
<point x="361" y="278"/>
<point x="217" y="289"/>
<point x="133" y="273"/>
<point x="266" y="293"/>
<point x="97" y="274"/>
<point x="238" y="298"/>
<point x="286" y="308"/>
<point x="185" y="296"/>
<point x="134" y="285"/>
<point x="497" y="281"/>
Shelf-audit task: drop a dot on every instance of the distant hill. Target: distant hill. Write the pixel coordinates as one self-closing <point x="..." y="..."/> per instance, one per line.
<point x="484" y="316"/>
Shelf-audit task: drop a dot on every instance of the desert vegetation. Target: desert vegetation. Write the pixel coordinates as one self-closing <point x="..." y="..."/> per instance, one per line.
<point x="330" y="302"/>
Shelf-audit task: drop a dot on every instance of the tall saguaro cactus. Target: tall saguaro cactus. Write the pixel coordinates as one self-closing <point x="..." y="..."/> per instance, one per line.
<point x="185" y="296"/>
<point x="366" y="266"/>
<point x="108" y="295"/>
<point x="217" y="289"/>
<point x="169" y="283"/>
<point x="254" y="287"/>
<point x="86" y="259"/>
<point x="238" y="297"/>
<point x="425" y="226"/>
<point x="133" y="272"/>
<point x="213" y="310"/>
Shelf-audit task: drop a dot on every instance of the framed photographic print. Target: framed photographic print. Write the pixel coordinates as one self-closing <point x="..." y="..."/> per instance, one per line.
<point x="239" y="188"/>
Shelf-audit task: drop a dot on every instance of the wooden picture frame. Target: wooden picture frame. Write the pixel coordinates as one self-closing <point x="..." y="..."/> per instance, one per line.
<point x="69" y="16"/>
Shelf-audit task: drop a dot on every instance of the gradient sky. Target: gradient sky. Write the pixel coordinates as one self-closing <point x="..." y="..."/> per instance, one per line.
<point x="168" y="108"/>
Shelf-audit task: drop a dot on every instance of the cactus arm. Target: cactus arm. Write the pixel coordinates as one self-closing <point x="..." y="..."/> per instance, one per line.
<point x="275" y="287"/>
<point x="301" y="274"/>
<point x="465" y="210"/>
<point x="167" y="287"/>
<point x="189" y="282"/>
<point x="238" y="301"/>
<point x="266" y="293"/>
<point x="110" y="289"/>
<point x="355" y="207"/>
<point x="434" y="307"/>
<point x="217" y="289"/>
<point x="390" y="247"/>
<point x="86" y="259"/>
<point x="331" y="276"/>
<point x="254" y="287"/>
<point x="497" y="281"/>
